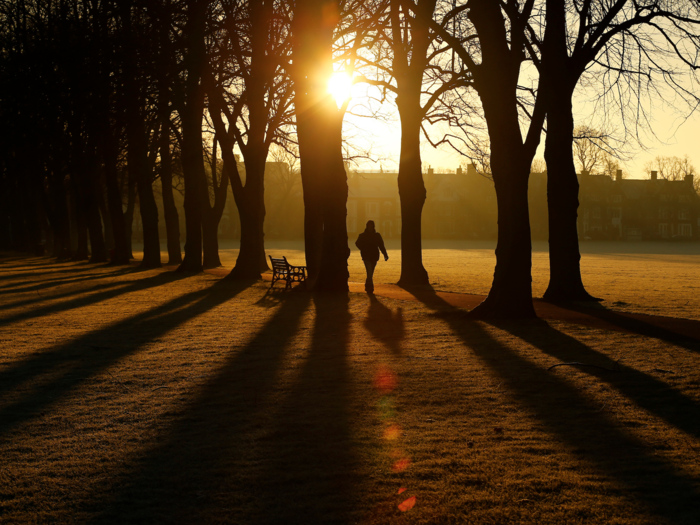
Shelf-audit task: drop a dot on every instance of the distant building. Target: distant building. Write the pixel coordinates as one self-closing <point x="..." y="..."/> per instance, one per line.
<point x="633" y="210"/>
<point x="374" y="196"/>
<point x="462" y="205"/>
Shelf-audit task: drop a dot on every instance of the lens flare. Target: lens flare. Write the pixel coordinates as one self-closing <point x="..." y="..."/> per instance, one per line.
<point x="385" y="380"/>
<point x="340" y="86"/>
<point x="401" y="465"/>
<point x="408" y="504"/>
<point x="392" y="433"/>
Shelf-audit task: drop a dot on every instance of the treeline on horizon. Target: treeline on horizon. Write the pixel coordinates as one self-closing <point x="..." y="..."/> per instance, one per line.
<point x="106" y="102"/>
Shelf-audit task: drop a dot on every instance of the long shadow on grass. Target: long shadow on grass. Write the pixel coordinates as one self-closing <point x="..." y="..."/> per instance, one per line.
<point x="40" y="284"/>
<point x="637" y="326"/>
<point x="202" y="469"/>
<point x="24" y="261"/>
<point x="94" y="295"/>
<point x="647" y="392"/>
<point x="55" y="373"/>
<point x="26" y="268"/>
<point x="569" y="416"/>
<point x="313" y="474"/>
<point x="385" y="325"/>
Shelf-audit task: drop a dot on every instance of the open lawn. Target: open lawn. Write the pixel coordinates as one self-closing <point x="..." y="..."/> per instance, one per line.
<point x="659" y="278"/>
<point x="132" y="396"/>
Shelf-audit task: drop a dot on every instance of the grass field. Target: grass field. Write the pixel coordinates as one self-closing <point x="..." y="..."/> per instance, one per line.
<point x="654" y="278"/>
<point x="131" y="396"/>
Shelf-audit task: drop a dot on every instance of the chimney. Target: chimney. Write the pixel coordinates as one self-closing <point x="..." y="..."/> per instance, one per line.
<point x="618" y="175"/>
<point x="654" y="175"/>
<point x="689" y="179"/>
<point x="430" y="171"/>
<point x="459" y="170"/>
<point x="471" y="169"/>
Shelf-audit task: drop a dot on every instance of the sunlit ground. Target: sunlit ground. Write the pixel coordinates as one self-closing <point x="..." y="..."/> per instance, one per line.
<point x="655" y="278"/>
<point x="131" y="396"/>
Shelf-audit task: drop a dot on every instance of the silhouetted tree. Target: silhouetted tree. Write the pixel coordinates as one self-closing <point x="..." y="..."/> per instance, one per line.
<point x="257" y="50"/>
<point x="319" y="132"/>
<point x="494" y="67"/>
<point x="617" y="36"/>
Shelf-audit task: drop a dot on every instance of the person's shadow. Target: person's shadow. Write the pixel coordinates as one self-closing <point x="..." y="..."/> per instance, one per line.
<point x="384" y="324"/>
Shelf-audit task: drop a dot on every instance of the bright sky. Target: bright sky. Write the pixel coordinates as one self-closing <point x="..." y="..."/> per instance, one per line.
<point x="674" y="138"/>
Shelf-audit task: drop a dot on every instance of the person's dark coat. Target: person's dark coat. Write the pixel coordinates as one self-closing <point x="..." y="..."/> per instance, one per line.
<point x="370" y="244"/>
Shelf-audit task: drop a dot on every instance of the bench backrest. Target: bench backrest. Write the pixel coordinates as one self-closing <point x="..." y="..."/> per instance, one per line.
<point x="279" y="265"/>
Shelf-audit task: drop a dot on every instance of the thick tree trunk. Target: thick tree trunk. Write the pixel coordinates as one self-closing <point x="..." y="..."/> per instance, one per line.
<point x="251" y="212"/>
<point x="249" y="198"/>
<point x="210" y="241"/>
<point x="172" y="219"/>
<point x="122" y="243"/>
<point x="62" y="229"/>
<point x="139" y="167"/>
<point x="248" y="261"/>
<point x="565" y="283"/>
<point x="98" y="249"/>
<point x="312" y="195"/>
<point x="193" y="172"/>
<point x="319" y="131"/>
<point x="192" y="153"/>
<point x="129" y="215"/>
<point x="81" y="249"/>
<point x="149" y="219"/>
<point x="106" y="218"/>
<point x="333" y="274"/>
<point x="30" y="210"/>
<point x="412" y="193"/>
<point x="511" y="292"/>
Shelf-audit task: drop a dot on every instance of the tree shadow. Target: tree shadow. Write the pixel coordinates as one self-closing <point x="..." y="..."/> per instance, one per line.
<point x="40" y="284"/>
<point x="94" y="296"/>
<point x="203" y="458"/>
<point x="569" y="417"/>
<point x="647" y="392"/>
<point x="24" y="261"/>
<point x="385" y="325"/>
<point x="313" y="475"/>
<point x="52" y="268"/>
<point x="275" y="296"/>
<point x="62" y="369"/>
<point x="647" y="329"/>
<point x="50" y="265"/>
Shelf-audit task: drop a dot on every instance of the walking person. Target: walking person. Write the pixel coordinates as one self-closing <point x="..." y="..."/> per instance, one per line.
<point x="370" y="243"/>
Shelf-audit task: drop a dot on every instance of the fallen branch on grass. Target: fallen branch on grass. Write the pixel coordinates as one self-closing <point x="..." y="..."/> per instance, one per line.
<point x="576" y="363"/>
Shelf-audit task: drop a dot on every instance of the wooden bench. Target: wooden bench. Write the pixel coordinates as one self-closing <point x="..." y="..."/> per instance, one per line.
<point x="283" y="271"/>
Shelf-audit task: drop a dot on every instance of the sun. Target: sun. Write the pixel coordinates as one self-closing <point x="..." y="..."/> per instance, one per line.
<point x="340" y="86"/>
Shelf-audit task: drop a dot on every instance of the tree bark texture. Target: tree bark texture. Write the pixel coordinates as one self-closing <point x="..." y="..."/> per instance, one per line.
<point x="410" y="43"/>
<point x="412" y="193"/>
<point x="137" y="159"/>
<point x="81" y="234"/>
<point x="192" y="153"/>
<point x="172" y="219"/>
<point x="511" y="292"/>
<point x="122" y="242"/>
<point x="319" y="130"/>
<point x="559" y="71"/>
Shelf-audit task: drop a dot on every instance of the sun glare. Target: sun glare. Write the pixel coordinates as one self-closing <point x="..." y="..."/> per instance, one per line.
<point x="340" y="85"/>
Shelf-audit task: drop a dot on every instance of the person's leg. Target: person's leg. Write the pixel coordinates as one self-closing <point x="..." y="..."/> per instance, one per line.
<point x="367" y="267"/>
<point x="369" y="284"/>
